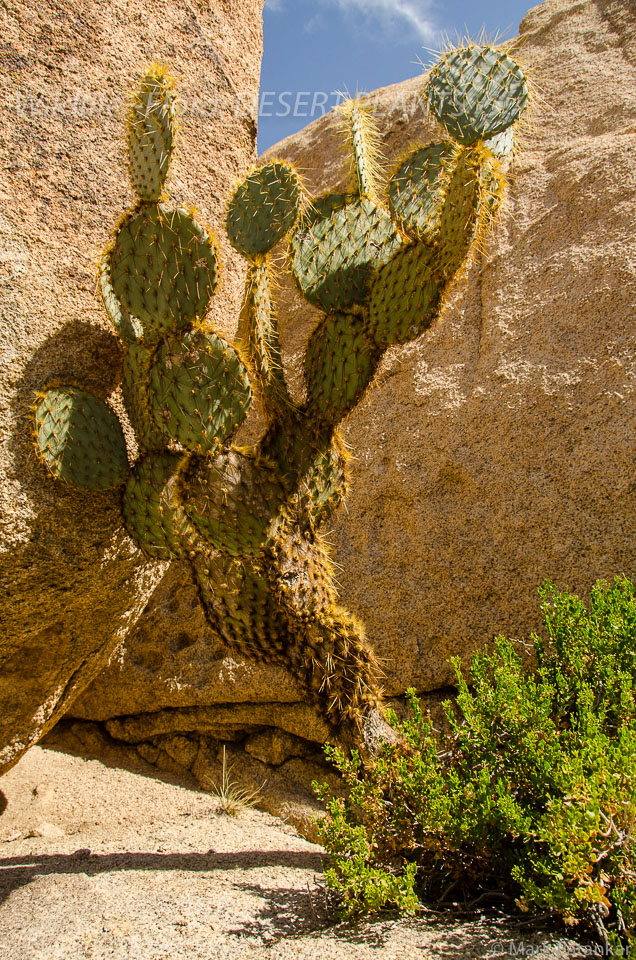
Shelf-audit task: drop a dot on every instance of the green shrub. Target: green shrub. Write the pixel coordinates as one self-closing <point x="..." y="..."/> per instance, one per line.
<point x="531" y="793"/>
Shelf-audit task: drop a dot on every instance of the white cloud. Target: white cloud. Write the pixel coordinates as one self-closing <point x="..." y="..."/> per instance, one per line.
<point x="396" y="13"/>
<point x="315" y="23"/>
<point x="391" y="14"/>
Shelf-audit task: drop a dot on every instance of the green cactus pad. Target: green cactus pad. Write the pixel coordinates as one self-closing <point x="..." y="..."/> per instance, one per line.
<point x="264" y="207"/>
<point x="239" y="603"/>
<point x="338" y="668"/>
<point x="501" y="144"/>
<point x="416" y="190"/>
<point x="291" y="448"/>
<point x="235" y="501"/>
<point x="476" y="92"/>
<point x="460" y="213"/>
<point x="263" y="338"/>
<point x="151" y="134"/>
<point x="153" y="513"/>
<point x="312" y="469"/>
<point x="404" y="297"/>
<point x="363" y="138"/>
<point x="163" y="269"/>
<point x="128" y="328"/>
<point x="79" y="439"/>
<point x="339" y="363"/>
<point x="135" y="379"/>
<point x="338" y="246"/>
<point x="199" y="391"/>
<point x="324" y="486"/>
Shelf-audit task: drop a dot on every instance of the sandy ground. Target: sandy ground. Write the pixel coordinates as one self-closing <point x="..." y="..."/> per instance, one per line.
<point x="111" y="864"/>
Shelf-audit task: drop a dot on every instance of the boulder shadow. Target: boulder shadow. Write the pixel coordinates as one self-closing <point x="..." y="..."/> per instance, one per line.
<point x="18" y="871"/>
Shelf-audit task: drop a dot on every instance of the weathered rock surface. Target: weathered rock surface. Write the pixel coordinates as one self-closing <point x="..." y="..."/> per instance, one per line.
<point x="494" y="451"/>
<point x="72" y="584"/>
<point x="173" y="659"/>
<point x="498" y="449"/>
<point x="296" y="718"/>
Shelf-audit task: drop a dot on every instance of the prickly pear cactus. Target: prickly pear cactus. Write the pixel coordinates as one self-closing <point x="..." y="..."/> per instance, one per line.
<point x="248" y="519"/>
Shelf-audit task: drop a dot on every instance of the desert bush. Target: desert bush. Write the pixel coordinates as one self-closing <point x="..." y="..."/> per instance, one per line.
<point x="530" y="794"/>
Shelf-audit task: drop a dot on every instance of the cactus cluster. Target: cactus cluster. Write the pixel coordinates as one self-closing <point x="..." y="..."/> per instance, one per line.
<point x="377" y="261"/>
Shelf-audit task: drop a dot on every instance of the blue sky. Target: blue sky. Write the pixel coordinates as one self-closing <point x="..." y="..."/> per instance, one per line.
<point x="313" y="48"/>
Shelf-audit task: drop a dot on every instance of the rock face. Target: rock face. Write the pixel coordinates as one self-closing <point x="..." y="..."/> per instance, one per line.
<point x="71" y="582"/>
<point x="496" y="450"/>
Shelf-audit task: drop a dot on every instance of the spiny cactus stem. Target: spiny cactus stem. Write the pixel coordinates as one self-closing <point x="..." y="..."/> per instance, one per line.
<point x="357" y="139"/>
<point x="264" y="339"/>
<point x="363" y="138"/>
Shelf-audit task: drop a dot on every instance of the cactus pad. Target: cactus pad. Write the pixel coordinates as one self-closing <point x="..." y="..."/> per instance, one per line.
<point x="235" y="501"/>
<point x="264" y="207"/>
<point x="199" y="391"/>
<point x="502" y="143"/>
<point x="151" y="134"/>
<point x="461" y="212"/>
<point x="79" y="439"/>
<point x="338" y="246"/>
<point x="363" y="138"/>
<point x="152" y="508"/>
<point x="163" y="269"/>
<point x="314" y="474"/>
<point x="239" y="602"/>
<point x="340" y="669"/>
<point x="339" y="363"/>
<point x="324" y="485"/>
<point x="416" y="190"/>
<point x="302" y="576"/>
<point x="135" y="378"/>
<point x="492" y="184"/>
<point x="263" y="338"/>
<point x="404" y="297"/>
<point x="476" y="92"/>
<point x="128" y="328"/>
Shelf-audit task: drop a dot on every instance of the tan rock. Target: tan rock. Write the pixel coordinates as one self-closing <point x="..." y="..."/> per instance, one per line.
<point x="182" y="750"/>
<point x="72" y="583"/>
<point x="275" y="746"/>
<point x="296" y="718"/>
<point x="89" y="740"/>
<point x="495" y="450"/>
<point x="307" y="772"/>
<point x="160" y="759"/>
<point x="173" y="659"/>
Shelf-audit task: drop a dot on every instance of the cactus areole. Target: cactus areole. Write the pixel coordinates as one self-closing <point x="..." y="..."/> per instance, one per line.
<point x="248" y="520"/>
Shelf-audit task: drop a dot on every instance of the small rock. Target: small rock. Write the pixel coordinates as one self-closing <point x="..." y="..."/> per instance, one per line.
<point x="16" y="835"/>
<point x="182" y="750"/>
<point x="50" y="831"/>
<point x="275" y="746"/>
